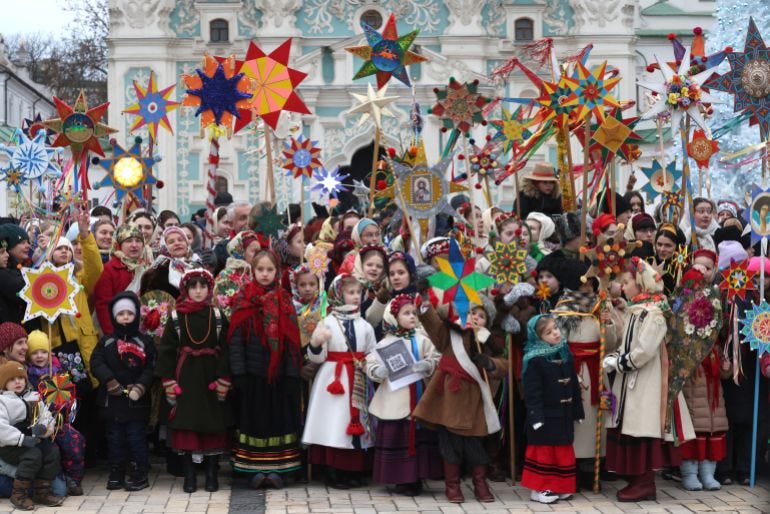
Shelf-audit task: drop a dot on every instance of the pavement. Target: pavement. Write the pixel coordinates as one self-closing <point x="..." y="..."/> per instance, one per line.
<point x="166" y="495"/>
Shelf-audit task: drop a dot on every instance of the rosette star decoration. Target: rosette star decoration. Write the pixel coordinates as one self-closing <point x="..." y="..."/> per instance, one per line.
<point x="459" y="281"/>
<point x="749" y="79"/>
<point x="386" y="55"/>
<point x="32" y="159"/>
<point x="593" y="91"/>
<point x="274" y="84"/>
<point x="128" y="171"/>
<point x="756" y="327"/>
<point x="701" y="148"/>
<point x="152" y="107"/>
<point x="301" y="157"/>
<point x="607" y="259"/>
<point x="557" y="101"/>
<point x="49" y="291"/>
<point x="79" y="127"/>
<point x="512" y="129"/>
<point x="506" y="263"/>
<point x="459" y="106"/>
<point x="218" y="92"/>
<point x="680" y="94"/>
<point x="737" y="280"/>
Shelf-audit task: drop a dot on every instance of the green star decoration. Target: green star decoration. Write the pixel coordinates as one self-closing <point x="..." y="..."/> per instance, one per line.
<point x="506" y="263"/>
<point x="269" y="222"/>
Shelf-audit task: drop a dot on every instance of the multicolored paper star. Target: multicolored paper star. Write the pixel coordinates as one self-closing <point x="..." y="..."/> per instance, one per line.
<point x="301" y="156"/>
<point x="737" y="280"/>
<point x="49" y="291"/>
<point x="79" y="127"/>
<point x="656" y="183"/>
<point x="512" y="129"/>
<point x="152" y="107"/>
<point x="128" y="171"/>
<point x="386" y="54"/>
<point x="756" y="327"/>
<point x="749" y="79"/>
<point x="217" y="91"/>
<point x="459" y="106"/>
<point x="615" y="135"/>
<point x="506" y="263"/>
<point x="31" y="158"/>
<point x="274" y="85"/>
<point x="557" y="101"/>
<point x="701" y="148"/>
<point x="593" y="91"/>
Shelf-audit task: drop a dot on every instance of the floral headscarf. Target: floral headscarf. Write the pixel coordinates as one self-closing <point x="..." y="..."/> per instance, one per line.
<point x="240" y="243"/>
<point x="122" y="234"/>
<point x="337" y="302"/>
<point x="295" y="272"/>
<point x="185" y="304"/>
<point x="177" y="266"/>
<point x="358" y="266"/>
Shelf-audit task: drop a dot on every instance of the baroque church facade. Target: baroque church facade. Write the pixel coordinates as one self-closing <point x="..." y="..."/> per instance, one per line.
<point x="465" y="39"/>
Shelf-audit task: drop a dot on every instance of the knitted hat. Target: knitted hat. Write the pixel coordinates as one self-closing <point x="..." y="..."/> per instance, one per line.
<point x="602" y="222"/>
<point x="434" y="247"/>
<point x="123" y="304"/>
<point x="12" y="235"/>
<point x="37" y="340"/>
<point x="728" y="206"/>
<point x="10" y="332"/>
<point x="11" y="370"/>
<point x="567" y="226"/>
<point x="730" y="251"/>
<point x="127" y="231"/>
<point x="642" y="221"/>
<point x="63" y="241"/>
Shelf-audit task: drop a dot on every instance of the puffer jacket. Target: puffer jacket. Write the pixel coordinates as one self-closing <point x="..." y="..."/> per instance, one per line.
<point x="704" y="398"/>
<point x="17" y="411"/>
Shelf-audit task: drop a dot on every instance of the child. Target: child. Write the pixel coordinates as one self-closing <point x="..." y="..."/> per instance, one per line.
<point x="265" y="362"/>
<point x="405" y="453"/>
<point x="552" y="395"/>
<point x="458" y="402"/>
<point x="36" y="458"/>
<point x="193" y="368"/>
<point x="123" y="362"/>
<point x="340" y="343"/>
<point x="71" y="443"/>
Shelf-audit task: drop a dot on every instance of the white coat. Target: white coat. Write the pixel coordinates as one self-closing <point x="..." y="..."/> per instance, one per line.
<point x="13" y="410"/>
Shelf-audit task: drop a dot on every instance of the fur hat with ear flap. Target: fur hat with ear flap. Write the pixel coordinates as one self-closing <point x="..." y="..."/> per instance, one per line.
<point x="647" y="278"/>
<point x="567" y="226"/>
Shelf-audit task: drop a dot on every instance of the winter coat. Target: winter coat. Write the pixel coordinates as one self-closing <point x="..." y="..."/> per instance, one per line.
<point x="552" y="396"/>
<point x="16" y="415"/>
<point x="706" y="405"/>
<point x="156" y="279"/>
<point x="115" y="279"/>
<point x="454" y="404"/>
<point x="638" y="385"/>
<point x="111" y="360"/>
<point x="12" y="307"/>
<point x="394" y="405"/>
<point x="197" y="407"/>
<point x="328" y="415"/>
<point x="532" y="200"/>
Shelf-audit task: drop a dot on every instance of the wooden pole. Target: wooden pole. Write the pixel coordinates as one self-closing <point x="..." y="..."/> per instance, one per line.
<point x="584" y="206"/>
<point x="474" y="228"/>
<point x="375" y="160"/>
<point x="568" y="150"/>
<point x="487" y="196"/>
<point x="269" y="157"/>
<point x="659" y="125"/>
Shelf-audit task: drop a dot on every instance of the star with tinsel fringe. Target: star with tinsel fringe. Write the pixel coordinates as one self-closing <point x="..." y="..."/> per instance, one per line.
<point x="386" y="55"/>
<point x="152" y="107"/>
<point x="737" y="280"/>
<point x="756" y="327"/>
<point x="749" y="79"/>
<point x="301" y="157"/>
<point x="459" y="106"/>
<point x="506" y="263"/>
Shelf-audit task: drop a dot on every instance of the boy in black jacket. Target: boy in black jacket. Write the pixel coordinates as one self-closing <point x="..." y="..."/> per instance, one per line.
<point x="124" y="363"/>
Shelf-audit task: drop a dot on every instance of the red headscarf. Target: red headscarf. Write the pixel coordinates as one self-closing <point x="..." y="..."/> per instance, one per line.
<point x="184" y="304"/>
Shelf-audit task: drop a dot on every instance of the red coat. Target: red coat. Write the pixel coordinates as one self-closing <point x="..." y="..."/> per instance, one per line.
<point x="115" y="279"/>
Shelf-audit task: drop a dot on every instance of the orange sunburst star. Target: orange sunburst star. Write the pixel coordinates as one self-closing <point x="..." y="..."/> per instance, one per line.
<point x="79" y="127"/>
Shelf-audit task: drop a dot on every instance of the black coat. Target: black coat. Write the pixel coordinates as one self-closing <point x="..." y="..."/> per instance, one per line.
<point x="552" y="396"/>
<point x="548" y="205"/>
<point x="11" y="305"/>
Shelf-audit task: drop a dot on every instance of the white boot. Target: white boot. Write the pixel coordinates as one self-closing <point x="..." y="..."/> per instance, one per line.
<point x="706" y="471"/>
<point x="689" y="472"/>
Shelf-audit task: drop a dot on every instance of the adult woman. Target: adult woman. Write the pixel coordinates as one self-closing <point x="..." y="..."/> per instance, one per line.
<point x="174" y="260"/>
<point x="635" y="201"/>
<point x="704" y="211"/>
<point x="103" y="231"/>
<point x="17" y="245"/>
<point x="122" y="272"/>
<point x="540" y="191"/>
<point x="667" y="241"/>
<point x="168" y="219"/>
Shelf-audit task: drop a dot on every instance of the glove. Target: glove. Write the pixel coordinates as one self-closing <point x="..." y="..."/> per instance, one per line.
<point x="221" y="386"/>
<point x="135" y="392"/>
<point x="30" y="441"/>
<point x="381" y="372"/>
<point x="39" y="429"/>
<point x="113" y="387"/>
<point x="309" y="370"/>
<point x="483" y="361"/>
<point x="536" y="426"/>
<point x="422" y="273"/>
<point x="610" y="363"/>
<point x="383" y="295"/>
<point x="422" y="367"/>
<point x="520" y="290"/>
<point x="172" y="390"/>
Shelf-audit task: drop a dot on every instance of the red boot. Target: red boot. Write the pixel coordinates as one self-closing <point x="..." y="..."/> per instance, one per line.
<point x="640" y="488"/>
<point x="480" y="486"/>
<point x="452" y="480"/>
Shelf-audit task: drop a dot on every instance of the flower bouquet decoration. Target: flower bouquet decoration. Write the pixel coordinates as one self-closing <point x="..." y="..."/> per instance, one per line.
<point x="156" y="307"/>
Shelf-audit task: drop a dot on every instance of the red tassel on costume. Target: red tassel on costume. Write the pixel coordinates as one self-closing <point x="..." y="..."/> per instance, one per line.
<point x="355" y="427"/>
<point x="336" y="388"/>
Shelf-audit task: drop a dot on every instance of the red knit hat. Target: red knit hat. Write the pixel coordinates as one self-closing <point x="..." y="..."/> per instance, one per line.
<point x="705" y="252"/>
<point x="602" y="222"/>
<point x="10" y="332"/>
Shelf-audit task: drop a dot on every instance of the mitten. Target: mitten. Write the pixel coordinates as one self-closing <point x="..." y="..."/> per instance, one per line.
<point x="380" y="372"/>
<point x="30" y="441"/>
<point x="172" y="390"/>
<point x="422" y="273"/>
<point x="510" y="325"/>
<point x="383" y="295"/>
<point x="38" y="429"/>
<point x="221" y="386"/>
<point x="610" y="363"/>
<point x="309" y="370"/>
<point x="113" y="387"/>
<point x="520" y="290"/>
<point x="422" y="367"/>
<point x="135" y="391"/>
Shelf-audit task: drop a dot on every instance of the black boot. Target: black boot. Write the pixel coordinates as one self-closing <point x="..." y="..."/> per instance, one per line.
<point x="188" y="466"/>
<point x="116" y="478"/>
<point x="211" y="463"/>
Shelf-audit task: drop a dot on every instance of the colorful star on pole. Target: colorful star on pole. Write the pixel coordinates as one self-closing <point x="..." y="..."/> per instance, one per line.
<point x="128" y="171"/>
<point x="459" y="106"/>
<point x="615" y="135"/>
<point x="459" y="280"/>
<point x="557" y="101"/>
<point x="49" y="291"/>
<point x="701" y="148"/>
<point x="386" y="54"/>
<point x="756" y="327"/>
<point x="737" y="280"/>
<point x="274" y="85"/>
<point x="329" y="182"/>
<point x="607" y="258"/>
<point x="31" y="158"/>
<point x="152" y="107"/>
<point x="30" y="127"/>
<point x="749" y="79"/>
<point x="656" y="183"/>
<point x="217" y="91"/>
<point x="593" y="91"/>
<point x="484" y="160"/>
<point x="79" y="127"/>
<point x="301" y="156"/>
<point x="506" y="263"/>
<point x="512" y="129"/>
<point x="373" y="105"/>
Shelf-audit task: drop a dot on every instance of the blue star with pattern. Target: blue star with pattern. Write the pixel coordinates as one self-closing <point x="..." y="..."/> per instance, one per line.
<point x="218" y="93"/>
<point x="756" y="327"/>
<point x="31" y="158"/>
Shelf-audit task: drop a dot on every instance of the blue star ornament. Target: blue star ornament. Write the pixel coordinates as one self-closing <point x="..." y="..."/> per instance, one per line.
<point x="756" y="327"/>
<point x="128" y="171"/>
<point x="329" y="182"/>
<point x="218" y="91"/>
<point x="31" y="158"/>
<point x="656" y="184"/>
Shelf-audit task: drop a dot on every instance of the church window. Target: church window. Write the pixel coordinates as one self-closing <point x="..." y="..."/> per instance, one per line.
<point x="373" y="18"/>
<point x="524" y="30"/>
<point x="220" y="31"/>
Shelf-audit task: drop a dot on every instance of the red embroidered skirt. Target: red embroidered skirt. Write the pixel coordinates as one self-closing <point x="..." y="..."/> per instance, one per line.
<point x="705" y="447"/>
<point x="345" y="459"/>
<point x="549" y="468"/>
<point x="633" y="456"/>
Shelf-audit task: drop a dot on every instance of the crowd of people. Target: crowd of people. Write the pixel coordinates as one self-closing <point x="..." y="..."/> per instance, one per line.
<point x="324" y="347"/>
